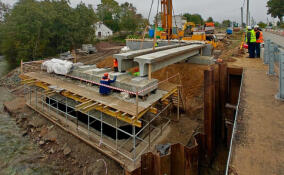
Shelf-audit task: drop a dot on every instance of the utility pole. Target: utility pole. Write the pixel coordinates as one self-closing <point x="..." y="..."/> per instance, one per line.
<point x="242" y="16"/>
<point x="247" y="13"/>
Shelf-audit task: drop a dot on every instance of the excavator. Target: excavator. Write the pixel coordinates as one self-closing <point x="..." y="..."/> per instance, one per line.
<point x="189" y="31"/>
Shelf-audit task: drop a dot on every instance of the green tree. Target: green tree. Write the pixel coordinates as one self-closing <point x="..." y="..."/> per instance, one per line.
<point x="196" y="18"/>
<point x="108" y="12"/>
<point x="217" y="24"/>
<point x="262" y="24"/>
<point x="276" y="9"/>
<point x="129" y="20"/>
<point x="35" y="29"/>
<point x="226" y="23"/>
<point x="210" y="19"/>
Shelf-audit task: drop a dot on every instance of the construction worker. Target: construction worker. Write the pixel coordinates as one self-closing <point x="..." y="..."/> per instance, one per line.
<point x="115" y="65"/>
<point x="259" y="40"/>
<point x="251" y="40"/>
<point x="106" y="81"/>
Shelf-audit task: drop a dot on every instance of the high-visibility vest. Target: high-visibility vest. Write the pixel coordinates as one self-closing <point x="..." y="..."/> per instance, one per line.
<point x="252" y="37"/>
<point x="115" y="63"/>
<point x="260" y="39"/>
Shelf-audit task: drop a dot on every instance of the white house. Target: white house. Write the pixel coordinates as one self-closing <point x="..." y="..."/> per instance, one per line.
<point x="177" y="21"/>
<point x="102" y="31"/>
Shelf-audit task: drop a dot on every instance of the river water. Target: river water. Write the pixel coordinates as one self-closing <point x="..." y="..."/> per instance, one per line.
<point x="18" y="154"/>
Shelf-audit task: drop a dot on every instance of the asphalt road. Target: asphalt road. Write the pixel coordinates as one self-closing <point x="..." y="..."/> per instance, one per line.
<point x="274" y="38"/>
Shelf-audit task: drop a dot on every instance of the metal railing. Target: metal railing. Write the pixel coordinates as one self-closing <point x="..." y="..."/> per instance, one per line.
<point x="273" y="53"/>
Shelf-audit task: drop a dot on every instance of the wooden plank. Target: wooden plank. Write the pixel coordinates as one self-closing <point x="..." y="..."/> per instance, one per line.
<point x="209" y="94"/>
<point x="165" y="164"/>
<point x="235" y="70"/>
<point x="223" y="94"/>
<point x="191" y="160"/>
<point x="147" y="163"/>
<point x="177" y="159"/>
<point x="167" y="86"/>
<point x="110" y="101"/>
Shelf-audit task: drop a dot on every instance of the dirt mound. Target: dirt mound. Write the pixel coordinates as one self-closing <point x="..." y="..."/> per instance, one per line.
<point x="107" y="62"/>
<point x="191" y="78"/>
<point x="105" y="44"/>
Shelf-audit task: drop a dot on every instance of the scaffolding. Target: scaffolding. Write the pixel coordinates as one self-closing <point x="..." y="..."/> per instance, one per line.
<point x="144" y="132"/>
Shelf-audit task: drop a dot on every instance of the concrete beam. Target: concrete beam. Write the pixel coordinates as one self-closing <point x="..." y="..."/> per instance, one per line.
<point x="205" y="60"/>
<point x="164" y="58"/>
<point x="125" y="60"/>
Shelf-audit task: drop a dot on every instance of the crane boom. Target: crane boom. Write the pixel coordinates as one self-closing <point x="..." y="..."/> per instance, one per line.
<point x="166" y="17"/>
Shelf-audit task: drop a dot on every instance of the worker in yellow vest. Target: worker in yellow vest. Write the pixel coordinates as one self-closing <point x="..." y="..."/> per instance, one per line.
<point x="251" y="41"/>
<point x="259" y="40"/>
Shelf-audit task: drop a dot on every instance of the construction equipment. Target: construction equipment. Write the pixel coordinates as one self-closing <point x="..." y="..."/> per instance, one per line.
<point x="209" y="28"/>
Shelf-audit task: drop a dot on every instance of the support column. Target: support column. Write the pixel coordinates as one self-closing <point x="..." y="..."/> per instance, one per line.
<point x="150" y="72"/>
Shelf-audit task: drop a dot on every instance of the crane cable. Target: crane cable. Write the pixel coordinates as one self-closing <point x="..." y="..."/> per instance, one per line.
<point x="175" y="20"/>
<point x="144" y="33"/>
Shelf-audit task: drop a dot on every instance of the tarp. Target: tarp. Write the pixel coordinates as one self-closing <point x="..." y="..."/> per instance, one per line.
<point x="61" y="67"/>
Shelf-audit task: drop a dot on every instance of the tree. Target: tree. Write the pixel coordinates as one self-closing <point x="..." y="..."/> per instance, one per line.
<point x="262" y="24"/>
<point x="108" y="12"/>
<point x="196" y="18"/>
<point x="276" y="9"/>
<point x="226" y="23"/>
<point x="49" y="28"/>
<point x="217" y="24"/>
<point x="210" y="19"/>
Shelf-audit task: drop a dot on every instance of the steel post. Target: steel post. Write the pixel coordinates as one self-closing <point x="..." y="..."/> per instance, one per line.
<point x="88" y="124"/>
<point x="36" y="97"/>
<point x="280" y="95"/>
<point x="267" y="51"/>
<point x="101" y="127"/>
<point x="66" y="109"/>
<point x="116" y="133"/>
<point x="134" y="143"/>
<point x="30" y="95"/>
<point x="271" y="60"/>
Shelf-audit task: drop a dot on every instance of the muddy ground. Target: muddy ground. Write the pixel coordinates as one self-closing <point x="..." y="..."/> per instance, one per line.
<point x="68" y="154"/>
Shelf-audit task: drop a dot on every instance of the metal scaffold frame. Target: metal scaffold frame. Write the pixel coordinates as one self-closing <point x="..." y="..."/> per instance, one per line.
<point x="38" y="93"/>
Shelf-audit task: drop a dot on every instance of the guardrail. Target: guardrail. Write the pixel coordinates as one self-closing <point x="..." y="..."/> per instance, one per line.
<point x="277" y="32"/>
<point x="273" y="53"/>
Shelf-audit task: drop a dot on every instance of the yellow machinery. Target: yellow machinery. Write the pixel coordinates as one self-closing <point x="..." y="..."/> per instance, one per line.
<point x="188" y="31"/>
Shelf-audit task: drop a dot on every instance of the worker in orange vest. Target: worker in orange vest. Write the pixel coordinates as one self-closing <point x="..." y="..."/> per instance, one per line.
<point x="115" y="65"/>
<point x="259" y="40"/>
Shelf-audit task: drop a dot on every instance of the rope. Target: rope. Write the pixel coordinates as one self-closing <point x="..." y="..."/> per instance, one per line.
<point x="141" y="45"/>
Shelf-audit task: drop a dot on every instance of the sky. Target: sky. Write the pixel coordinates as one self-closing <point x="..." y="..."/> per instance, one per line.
<point x="218" y="9"/>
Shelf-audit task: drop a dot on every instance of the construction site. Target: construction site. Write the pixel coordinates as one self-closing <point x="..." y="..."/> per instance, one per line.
<point x="182" y="102"/>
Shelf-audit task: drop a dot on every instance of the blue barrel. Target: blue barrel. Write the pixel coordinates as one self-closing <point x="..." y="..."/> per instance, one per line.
<point x="151" y="33"/>
<point x="229" y="31"/>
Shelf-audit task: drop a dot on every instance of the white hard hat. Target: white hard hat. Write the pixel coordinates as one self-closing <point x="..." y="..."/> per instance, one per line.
<point x="256" y="26"/>
<point x="249" y="27"/>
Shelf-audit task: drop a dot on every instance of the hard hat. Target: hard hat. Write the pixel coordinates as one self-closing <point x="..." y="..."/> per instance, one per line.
<point x="106" y="74"/>
<point x="249" y="27"/>
<point x="256" y="26"/>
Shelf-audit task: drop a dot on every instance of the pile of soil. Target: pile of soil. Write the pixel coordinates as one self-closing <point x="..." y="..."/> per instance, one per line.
<point x="106" y="62"/>
<point x="191" y="78"/>
<point x="103" y="45"/>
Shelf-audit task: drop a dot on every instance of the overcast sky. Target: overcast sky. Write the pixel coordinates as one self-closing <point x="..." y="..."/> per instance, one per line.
<point x="218" y="9"/>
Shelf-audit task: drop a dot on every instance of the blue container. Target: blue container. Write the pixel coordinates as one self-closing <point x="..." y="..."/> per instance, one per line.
<point x="151" y="33"/>
<point x="229" y="31"/>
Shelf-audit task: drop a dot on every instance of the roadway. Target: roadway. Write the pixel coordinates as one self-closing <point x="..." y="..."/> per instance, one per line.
<point x="274" y="38"/>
